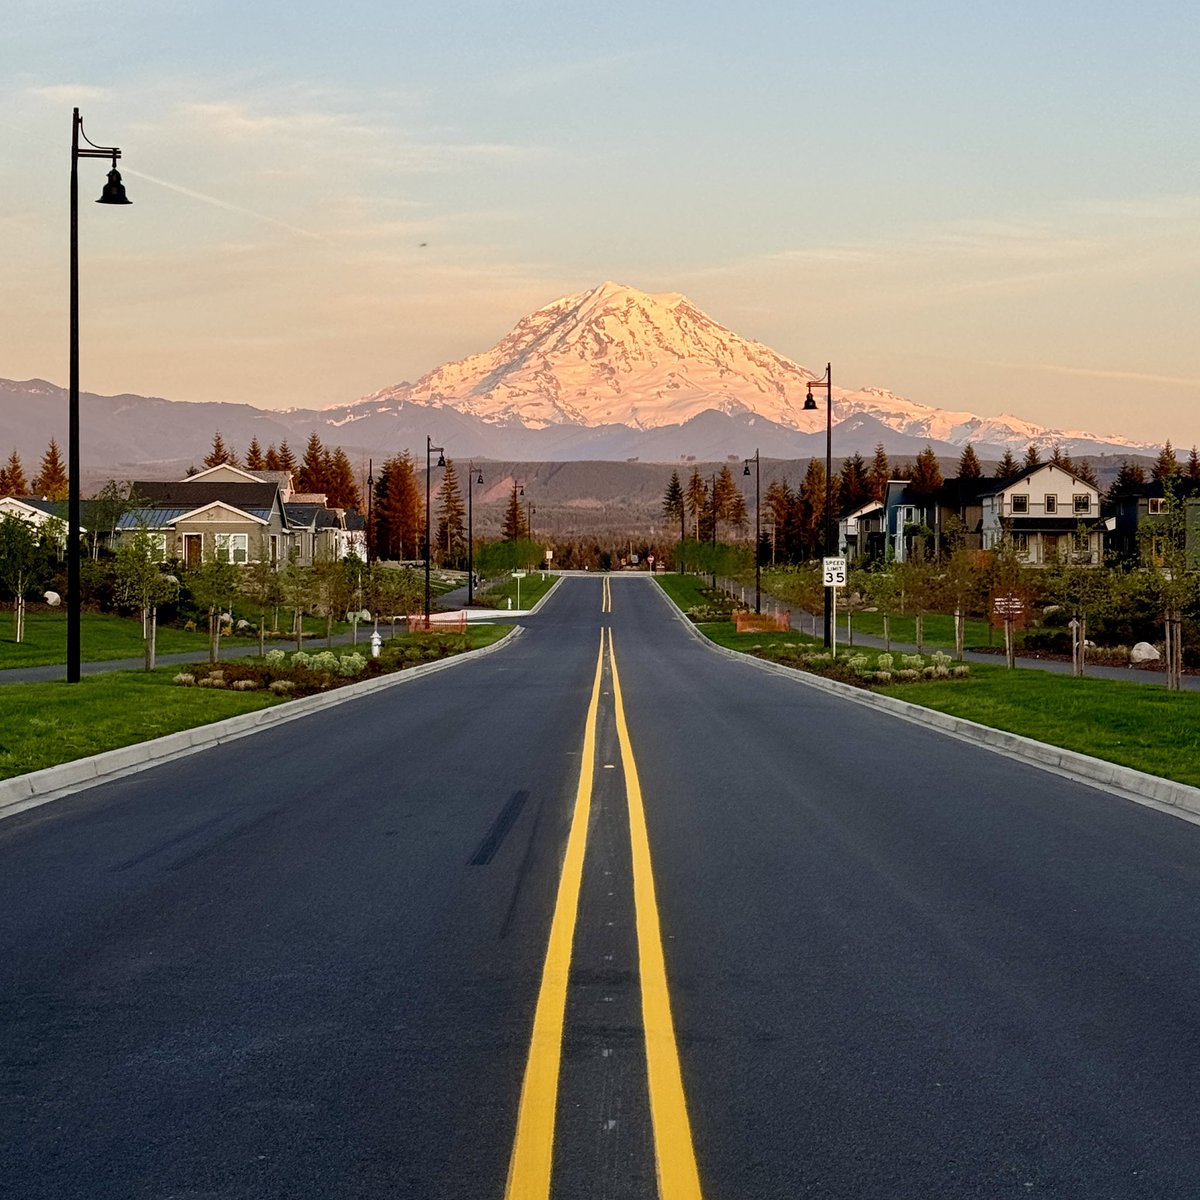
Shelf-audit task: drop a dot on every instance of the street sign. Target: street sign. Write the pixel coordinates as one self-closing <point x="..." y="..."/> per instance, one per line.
<point x="520" y="574"/>
<point x="835" y="572"/>
<point x="1008" y="605"/>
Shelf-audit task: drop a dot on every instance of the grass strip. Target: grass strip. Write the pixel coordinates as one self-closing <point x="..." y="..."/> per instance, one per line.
<point x="45" y="724"/>
<point x="533" y="587"/>
<point x="1136" y="725"/>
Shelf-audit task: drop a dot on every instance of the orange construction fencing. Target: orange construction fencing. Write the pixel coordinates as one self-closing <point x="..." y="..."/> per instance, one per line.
<point x="746" y="621"/>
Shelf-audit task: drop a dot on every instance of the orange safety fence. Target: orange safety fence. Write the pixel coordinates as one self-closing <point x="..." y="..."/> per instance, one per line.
<point x="453" y="622"/>
<point x="746" y="621"/>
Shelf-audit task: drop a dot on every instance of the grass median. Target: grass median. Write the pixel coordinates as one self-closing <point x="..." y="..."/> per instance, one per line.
<point x="524" y="592"/>
<point x="45" y="724"/>
<point x="1138" y="725"/>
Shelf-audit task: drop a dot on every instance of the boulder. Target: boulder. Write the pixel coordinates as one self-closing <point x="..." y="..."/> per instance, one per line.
<point x="1143" y="652"/>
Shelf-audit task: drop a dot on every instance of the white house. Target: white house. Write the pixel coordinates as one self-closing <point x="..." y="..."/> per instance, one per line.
<point x="1050" y="514"/>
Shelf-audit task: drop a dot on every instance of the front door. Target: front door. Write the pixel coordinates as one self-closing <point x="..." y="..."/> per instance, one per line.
<point x="193" y="544"/>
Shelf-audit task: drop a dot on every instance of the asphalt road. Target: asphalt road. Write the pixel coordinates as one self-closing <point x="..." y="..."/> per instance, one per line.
<point x="310" y="963"/>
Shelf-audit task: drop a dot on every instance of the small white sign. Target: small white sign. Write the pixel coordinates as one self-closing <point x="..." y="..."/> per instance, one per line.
<point x="520" y="574"/>
<point x="835" y="572"/>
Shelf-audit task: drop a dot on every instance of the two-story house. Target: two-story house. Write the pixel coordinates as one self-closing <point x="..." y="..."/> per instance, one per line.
<point x="1050" y="515"/>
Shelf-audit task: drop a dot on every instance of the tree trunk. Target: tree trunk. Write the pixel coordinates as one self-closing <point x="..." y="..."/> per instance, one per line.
<point x="1082" y="645"/>
<point x="959" y="632"/>
<point x="329" y="630"/>
<point x="919" y="621"/>
<point x="887" y="632"/>
<point x="1010" y="654"/>
<point x="212" y="635"/>
<point x="298" y="628"/>
<point x="262" y="634"/>
<point x="151" y="637"/>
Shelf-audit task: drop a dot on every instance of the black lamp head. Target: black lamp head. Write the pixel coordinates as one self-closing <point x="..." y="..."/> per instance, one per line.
<point x="810" y="405"/>
<point x="747" y="470"/>
<point x="441" y="462"/>
<point x="480" y="479"/>
<point x="114" y="189"/>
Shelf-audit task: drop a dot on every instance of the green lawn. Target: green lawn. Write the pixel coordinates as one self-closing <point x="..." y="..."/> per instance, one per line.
<point x="687" y="591"/>
<point x="106" y="636"/>
<point x="1138" y="725"/>
<point x="43" y="724"/>
<point x="532" y="588"/>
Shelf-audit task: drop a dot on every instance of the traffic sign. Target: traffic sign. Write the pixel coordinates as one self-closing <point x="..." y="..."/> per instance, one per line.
<point x="519" y="574"/>
<point x="835" y="572"/>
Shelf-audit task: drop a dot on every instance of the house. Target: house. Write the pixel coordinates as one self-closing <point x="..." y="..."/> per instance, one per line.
<point x="861" y="533"/>
<point x="1050" y="514"/>
<point x="1140" y="510"/>
<point x="37" y="512"/>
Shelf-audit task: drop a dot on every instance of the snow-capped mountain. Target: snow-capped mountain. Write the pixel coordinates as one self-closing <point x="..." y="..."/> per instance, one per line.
<point x="616" y="356"/>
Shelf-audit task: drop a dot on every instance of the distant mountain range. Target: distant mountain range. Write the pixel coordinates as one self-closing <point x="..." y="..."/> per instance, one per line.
<point x="610" y="374"/>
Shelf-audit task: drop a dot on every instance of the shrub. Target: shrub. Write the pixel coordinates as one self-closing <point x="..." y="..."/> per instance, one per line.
<point x="961" y="671"/>
<point x="907" y="675"/>
<point x="911" y="662"/>
<point x="245" y="685"/>
<point x="352" y="664"/>
<point x="281" y="687"/>
<point x="185" y="678"/>
<point x="882" y="676"/>
<point x="212" y="681"/>
<point x="325" y="661"/>
<point x="941" y="658"/>
<point x="276" y="657"/>
<point x="300" y="659"/>
<point x="885" y="662"/>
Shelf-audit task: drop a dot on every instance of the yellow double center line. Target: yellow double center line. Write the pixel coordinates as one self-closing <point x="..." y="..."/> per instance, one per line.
<point x="533" y="1148"/>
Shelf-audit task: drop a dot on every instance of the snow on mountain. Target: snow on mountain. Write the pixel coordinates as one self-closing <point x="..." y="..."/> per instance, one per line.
<point x="618" y="356"/>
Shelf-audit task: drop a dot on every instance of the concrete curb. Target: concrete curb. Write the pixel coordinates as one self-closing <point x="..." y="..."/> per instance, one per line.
<point x="40" y="787"/>
<point x="1177" y="799"/>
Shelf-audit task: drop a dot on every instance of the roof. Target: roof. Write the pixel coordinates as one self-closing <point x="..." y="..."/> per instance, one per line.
<point x="189" y="495"/>
<point x="316" y="515"/>
<point x="999" y="485"/>
<point x="160" y="517"/>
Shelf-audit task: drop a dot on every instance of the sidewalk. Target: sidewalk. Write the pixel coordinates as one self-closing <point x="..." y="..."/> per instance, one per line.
<point x="811" y="623"/>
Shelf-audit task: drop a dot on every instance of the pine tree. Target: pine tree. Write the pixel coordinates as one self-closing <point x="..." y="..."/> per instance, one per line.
<point x="1166" y="464"/>
<point x="271" y="461"/>
<point x="1193" y="467"/>
<point x="1008" y="467"/>
<point x="312" y="466"/>
<point x="220" y="453"/>
<point x="514" y="528"/>
<point x="723" y="492"/>
<point x="341" y="488"/>
<point x="673" y="504"/>
<point x="696" y="500"/>
<point x="855" y="489"/>
<point x="1085" y="471"/>
<point x="451" y="537"/>
<point x="879" y="474"/>
<point x="13" y="475"/>
<point x="779" y="504"/>
<point x="398" y="512"/>
<point x="969" y="466"/>
<point x="287" y="460"/>
<point x="812" y="509"/>
<point x="1033" y="457"/>
<point x="926" y="475"/>
<point x="254" y="456"/>
<point x="51" y="481"/>
<point x="1129" y="479"/>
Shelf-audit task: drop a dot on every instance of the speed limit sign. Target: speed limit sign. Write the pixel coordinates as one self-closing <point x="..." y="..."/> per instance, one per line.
<point x="835" y="572"/>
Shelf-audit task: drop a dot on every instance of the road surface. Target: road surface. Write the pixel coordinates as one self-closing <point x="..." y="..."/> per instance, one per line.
<point x="536" y="926"/>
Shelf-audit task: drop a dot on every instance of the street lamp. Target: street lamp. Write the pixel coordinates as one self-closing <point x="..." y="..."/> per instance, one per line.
<point x="757" y="532"/>
<point x="810" y="405"/>
<point x="471" y="482"/>
<point x="441" y="462"/>
<point x="530" y="510"/>
<point x="370" y="494"/>
<point x="113" y="193"/>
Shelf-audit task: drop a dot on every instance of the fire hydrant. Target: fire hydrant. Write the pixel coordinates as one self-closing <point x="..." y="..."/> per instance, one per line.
<point x="376" y="642"/>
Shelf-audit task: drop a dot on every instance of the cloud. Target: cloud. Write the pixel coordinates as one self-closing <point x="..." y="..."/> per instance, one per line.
<point x="71" y="93"/>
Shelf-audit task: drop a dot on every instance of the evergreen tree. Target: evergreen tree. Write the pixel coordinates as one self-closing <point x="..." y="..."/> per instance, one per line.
<point x="673" y="504"/>
<point x="51" y="481"/>
<point x="12" y="477"/>
<point x="696" y="500"/>
<point x="1193" y="467"/>
<point x="451" y="539"/>
<point x="1129" y="479"/>
<point x="312" y="466"/>
<point x="287" y="460"/>
<point x="398" y="513"/>
<point x="969" y="466"/>
<point x="1166" y="464"/>
<point x="812" y="509"/>
<point x="1085" y="471"/>
<point x="723" y="492"/>
<point x="513" y="529"/>
<point x="254" y="456"/>
<point x="855" y="489"/>
<point x="738" y="515"/>
<point x="1033" y="457"/>
<point x="779" y="504"/>
<point x="1008" y="467"/>
<point x="341" y="488"/>
<point x="220" y="453"/>
<point x="926" y="475"/>
<point x="271" y="461"/>
<point x="879" y="474"/>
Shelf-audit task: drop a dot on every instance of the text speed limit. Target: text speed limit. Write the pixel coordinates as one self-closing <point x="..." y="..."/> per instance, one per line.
<point x="835" y="572"/>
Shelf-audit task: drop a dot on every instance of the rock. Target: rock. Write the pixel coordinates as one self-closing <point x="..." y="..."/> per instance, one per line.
<point x="1143" y="652"/>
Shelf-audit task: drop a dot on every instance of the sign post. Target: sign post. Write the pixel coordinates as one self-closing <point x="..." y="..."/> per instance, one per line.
<point x="834" y="571"/>
<point x="518" y="576"/>
<point x="1010" y="607"/>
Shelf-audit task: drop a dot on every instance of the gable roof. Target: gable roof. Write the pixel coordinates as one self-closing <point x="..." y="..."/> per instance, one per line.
<point x="189" y="494"/>
<point x="1025" y="472"/>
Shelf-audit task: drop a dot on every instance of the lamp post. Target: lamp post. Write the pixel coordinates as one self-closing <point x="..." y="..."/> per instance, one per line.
<point x="370" y="495"/>
<point x="441" y="462"/>
<point x="810" y="405"/>
<point x="529" y="513"/>
<point x="757" y="532"/>
<point x="113" y="193"/>
<point x="471" y="482"/>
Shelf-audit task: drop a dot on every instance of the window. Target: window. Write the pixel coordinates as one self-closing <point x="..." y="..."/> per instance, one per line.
<point x="1083" y="504"/>
<point x="1020" y="504"/>
<point x="1051" y="504"/>
<point x="232" y="547"/>
<point x="1020" y="543"/>
<point x="1081" y="543"/>
<point x="1158" y="505"/>
<point x="158" y="547"/>
<point x="274" y="548"/>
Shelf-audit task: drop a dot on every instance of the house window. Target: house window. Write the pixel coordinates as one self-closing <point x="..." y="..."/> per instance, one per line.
<point x="158" y="547"/>
<point x="1083" y="504"/>
<point x="1051" y="504"/>
<point x="232" y="547"/>
<point x="908" y="514"/>
<point x="1020" y="543"/>
<point x="1020" y="504"/>
<point x="274" y="548"/>
<point x="1158" y="505"/>
<point x="1081" y="543"/>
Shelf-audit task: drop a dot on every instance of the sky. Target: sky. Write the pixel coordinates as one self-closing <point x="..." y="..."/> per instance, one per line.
<point x="984" y="207"/>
